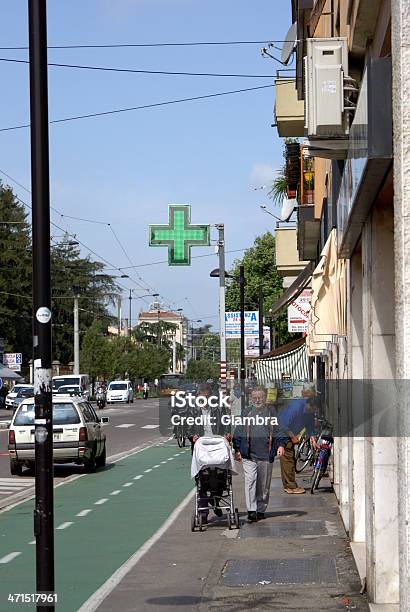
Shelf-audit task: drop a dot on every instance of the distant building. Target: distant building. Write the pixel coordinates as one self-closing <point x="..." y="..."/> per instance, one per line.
<point x="155" y="315"/>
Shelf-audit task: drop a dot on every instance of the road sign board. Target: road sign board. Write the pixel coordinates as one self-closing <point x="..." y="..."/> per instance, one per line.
<point x="179" y="235"/>
<point x="13" y="361"/>
<point x="252" y="344"/>
<point x="298" y="312"/>
<point x="233" y="324"/>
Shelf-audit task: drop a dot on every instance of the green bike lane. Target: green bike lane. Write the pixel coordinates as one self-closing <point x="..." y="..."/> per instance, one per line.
<point x="104" y="518"/>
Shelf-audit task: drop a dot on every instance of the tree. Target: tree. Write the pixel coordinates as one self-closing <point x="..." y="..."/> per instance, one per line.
<point x="202" y="370"/>
<point x="260" y="271"/>
<point x="15" y="275"/>
<point x="95" y="352"/>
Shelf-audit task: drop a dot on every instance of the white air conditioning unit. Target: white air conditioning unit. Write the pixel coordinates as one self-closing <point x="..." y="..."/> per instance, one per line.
<point x="328" y="88"/>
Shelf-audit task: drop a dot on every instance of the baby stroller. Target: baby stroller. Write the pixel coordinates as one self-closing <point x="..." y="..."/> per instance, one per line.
<point x="212" y="467"/>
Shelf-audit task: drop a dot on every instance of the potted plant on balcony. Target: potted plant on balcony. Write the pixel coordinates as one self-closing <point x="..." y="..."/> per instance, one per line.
<point x="308" y="187"/>
<point x="292" y="168"/>
<point x="278" y="189"/>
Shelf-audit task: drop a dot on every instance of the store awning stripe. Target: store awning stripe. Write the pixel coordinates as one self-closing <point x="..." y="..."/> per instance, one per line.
<point x="295" y="364"/>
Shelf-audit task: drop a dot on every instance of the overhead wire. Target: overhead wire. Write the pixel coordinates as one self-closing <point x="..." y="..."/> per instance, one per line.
<point x="141" y="107"/>
<point x="161" y="44"/>
<point x="143" y="71"/>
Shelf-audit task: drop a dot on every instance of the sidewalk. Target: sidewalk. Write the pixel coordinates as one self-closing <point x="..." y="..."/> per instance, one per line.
<point x="298" y="558"/>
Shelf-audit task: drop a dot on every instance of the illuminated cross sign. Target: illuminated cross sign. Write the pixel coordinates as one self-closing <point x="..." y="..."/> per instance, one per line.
<point x="179" y="235"/>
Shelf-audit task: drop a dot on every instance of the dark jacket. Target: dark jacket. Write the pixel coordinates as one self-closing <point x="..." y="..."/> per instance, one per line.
<point x="242" y="437"/>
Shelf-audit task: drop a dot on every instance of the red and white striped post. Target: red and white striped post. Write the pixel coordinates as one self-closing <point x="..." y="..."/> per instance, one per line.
<point x="223" y="375"/>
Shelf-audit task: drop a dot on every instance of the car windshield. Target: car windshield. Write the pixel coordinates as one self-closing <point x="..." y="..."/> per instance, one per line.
<point x="63" y="414"/>
<point x="68" y="389"/>
<point x="25" y="392"/>
<point x="59" y="382"/>
<point x="118" y="387"/>
<point x="17" y="388"/>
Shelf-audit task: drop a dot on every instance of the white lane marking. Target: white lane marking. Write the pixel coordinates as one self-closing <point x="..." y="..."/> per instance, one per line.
<point x="125" y="425"/>
<point x="65" y="525"/>
<point x="128" y="484"/>
<point x="148" y="470"/>
<point x="32" y="542"/>
<point x="163" y="461"/>
<point x="155" y="466"/>
<point x="101" y="501"/>
<point x="149" y="426"/>
<point x="138" y="477"/>
<point x="170" y="459"/>
<point x="109" y="585"/>
<point x="3" y="490"/>
<point x="9" y="557"/>
<point x="115" y="492"/>
<point x="4" y="482"/>
<point x="84" y="512"/>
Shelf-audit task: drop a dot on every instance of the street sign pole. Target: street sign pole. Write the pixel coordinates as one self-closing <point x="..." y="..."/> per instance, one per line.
<point x="43" y="420"/>
<point x="221" y="252"/>
<point x="76" y="337"/>
<point x="242" y="309"/>
<point x="260" y="321"/>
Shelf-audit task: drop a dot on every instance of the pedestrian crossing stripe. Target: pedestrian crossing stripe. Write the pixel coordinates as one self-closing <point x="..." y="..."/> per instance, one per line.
<point x="16" y="483"/>
<point x="149" y="426"/>
<point x="125" y="425"/>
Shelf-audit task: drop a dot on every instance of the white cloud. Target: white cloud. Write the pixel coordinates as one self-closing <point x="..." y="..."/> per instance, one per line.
<point x="262" y="174"/>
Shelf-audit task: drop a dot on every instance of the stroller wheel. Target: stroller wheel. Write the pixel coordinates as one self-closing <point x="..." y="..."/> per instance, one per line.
<point x="230" y="520"/>
<point x="193" y="522"/>
<point x="237" y="524"/>
<point x="200" y="521"/>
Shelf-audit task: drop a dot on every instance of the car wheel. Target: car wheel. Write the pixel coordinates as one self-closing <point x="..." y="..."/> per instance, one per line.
<point x="90" y="464"/>
<point x="16" y="469"/>
<point x="102" y="459"/>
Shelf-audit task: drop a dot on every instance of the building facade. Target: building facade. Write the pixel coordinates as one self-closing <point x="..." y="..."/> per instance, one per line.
<point x="352" y="74"/>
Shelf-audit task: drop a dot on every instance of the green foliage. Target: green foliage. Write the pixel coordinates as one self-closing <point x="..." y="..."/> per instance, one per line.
<point x="15" y="276"/>
<point x="206" y="343"/>
<point x="278" y="189"/>
<point x="202" y="369"/>
<point x="95" y="352"/>
<point x="260" y="271"/>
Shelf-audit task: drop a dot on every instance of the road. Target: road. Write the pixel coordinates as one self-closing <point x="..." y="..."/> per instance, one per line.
<point x="131" y="425"/>
<point x="101" y="519"/>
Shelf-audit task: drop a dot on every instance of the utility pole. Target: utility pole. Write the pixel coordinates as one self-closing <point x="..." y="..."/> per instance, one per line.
<point x="119" y="316"/>
<point x="260" y="321"/>
<point x="174" y="355"/>
<point x="242" y="309"/>
<point x="42" y="347"/>
<point x="130" y="324"/>
<point x="221" y="252"/>
<point x="76" y="337"/>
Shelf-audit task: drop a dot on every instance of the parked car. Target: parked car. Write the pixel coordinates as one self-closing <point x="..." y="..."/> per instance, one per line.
<point x="23" y="394"/>
<point x="82" y="380"/>
<point x="120" y="391"/>
<point x="78" y="435"/>
<point x="68" y="390"/>
<point x="13" y="394"/>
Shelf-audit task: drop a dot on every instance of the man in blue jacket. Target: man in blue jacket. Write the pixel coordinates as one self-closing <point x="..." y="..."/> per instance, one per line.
<point x="256" y="443"/>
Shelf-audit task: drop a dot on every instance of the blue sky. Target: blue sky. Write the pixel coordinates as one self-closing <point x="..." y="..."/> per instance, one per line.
<point x="125" y="169"/>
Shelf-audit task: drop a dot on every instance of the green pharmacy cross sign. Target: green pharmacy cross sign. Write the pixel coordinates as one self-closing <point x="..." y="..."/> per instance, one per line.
<point x="179" y="235"/>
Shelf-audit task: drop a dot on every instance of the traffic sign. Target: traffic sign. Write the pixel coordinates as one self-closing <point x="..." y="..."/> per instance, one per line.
<point x="233" y="324"/>
<point x="179" y="235"/>
<point x="298" y="312"/>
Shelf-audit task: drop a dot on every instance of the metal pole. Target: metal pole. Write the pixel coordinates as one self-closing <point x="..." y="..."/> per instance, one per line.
<point x="271" y="336"/>
<point x="119" y="316"/>
<point x="242" y="309"/>
<point x="76" y="337"/>
<point x="260" y="321"/>
<point x="174" y="355"/>
<point x="130" y="324"/>
<point x="42" y="348"/>
<point x="221" y="252"/>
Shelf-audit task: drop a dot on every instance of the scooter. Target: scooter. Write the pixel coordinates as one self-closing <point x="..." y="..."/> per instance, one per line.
<point x="100" y="399"/>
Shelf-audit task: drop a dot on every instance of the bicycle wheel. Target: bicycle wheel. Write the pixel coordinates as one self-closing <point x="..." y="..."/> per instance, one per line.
<point x="303" y="455"/>
<point x="316" y="476"/>
<point x="179" y="437"/>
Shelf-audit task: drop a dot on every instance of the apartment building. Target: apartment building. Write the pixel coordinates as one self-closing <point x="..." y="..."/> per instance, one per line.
<point x="348" y="102"/>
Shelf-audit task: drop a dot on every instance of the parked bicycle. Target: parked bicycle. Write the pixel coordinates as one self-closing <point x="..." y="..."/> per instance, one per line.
<point x="180" y="435"/>
<point x="322" y="456"/>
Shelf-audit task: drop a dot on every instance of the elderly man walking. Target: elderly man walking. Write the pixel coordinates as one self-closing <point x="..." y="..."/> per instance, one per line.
<point x="256" y="443"/>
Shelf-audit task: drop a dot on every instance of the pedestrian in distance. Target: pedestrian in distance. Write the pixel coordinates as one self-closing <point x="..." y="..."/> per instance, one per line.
<point x="256" y="442"/>
<point x="145" y="391"/>
<point x="296" y="416"/>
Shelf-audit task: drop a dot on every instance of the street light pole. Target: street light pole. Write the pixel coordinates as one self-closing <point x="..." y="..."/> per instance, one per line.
<point x="242" y="309"/>
<point x="76" y="337"/>
<point x="130" y="324"/>
<point x="42" y="348"/>
<point x="221" y="252"/>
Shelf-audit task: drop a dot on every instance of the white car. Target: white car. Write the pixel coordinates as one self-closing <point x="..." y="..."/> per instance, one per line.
<point x="10" y="397"/>
<point x="78" y="435"/>
<point x="120" y="391"/>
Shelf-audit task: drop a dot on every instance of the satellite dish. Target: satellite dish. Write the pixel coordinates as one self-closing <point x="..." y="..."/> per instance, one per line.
<point x="290" y="44"/>
<point x="288" y="207"/>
